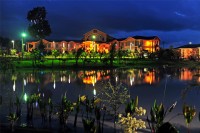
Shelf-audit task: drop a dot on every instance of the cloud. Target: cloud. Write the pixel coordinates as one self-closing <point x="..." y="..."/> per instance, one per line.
<point x="179" y="14"/>
<point x="70" y="20"/>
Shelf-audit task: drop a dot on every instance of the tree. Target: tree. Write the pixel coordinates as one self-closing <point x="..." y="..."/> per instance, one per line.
<point x="112" y="54"/>
<point x="13" y="51"/>
<point x="39" y="27"/>
<point x="78" y="54"/>
<point x="36" y="55"/>
<point x="55" y="53"/>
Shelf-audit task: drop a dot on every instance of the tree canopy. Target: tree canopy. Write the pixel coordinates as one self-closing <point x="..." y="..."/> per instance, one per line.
<point x="38" y="27"/>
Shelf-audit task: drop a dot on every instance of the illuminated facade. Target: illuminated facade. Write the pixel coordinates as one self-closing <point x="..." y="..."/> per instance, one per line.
<point x="97" y="36"/>
<point x="138" y="44"/>
<point x="98" y="41"/>
<point x="189" y="51"/>
<point x="61" y="46"/>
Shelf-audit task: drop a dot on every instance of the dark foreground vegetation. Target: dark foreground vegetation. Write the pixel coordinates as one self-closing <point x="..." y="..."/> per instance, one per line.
<point x="92" y="114"/>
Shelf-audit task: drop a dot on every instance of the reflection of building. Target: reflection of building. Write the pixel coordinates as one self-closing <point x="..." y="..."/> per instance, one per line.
<point x="91" y="77"/>
<point x="150" y="77"/>
<point x="190" y="51"/>
<point x="186" y="74"/>
<point x="101" y="42"/>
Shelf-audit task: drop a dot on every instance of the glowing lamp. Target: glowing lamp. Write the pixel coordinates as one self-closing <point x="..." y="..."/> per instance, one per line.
<point x="23" y="34"/>
<point x="93" y="37"/>
<point x="25" y="97"/>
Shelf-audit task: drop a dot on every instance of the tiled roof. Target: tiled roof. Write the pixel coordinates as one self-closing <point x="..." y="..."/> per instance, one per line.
<point x="190" y="46"/>
<point x="145" y="37"/>
<point x="120" y="39"/>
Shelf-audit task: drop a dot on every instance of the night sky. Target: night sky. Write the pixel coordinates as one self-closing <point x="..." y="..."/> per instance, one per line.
<point x="176" y="22"/>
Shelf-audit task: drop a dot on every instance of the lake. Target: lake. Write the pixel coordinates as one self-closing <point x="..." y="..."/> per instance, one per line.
<point x="164" y="84"/>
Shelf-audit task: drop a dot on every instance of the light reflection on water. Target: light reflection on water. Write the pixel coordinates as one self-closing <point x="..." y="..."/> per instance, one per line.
<point x="166" y="85"/>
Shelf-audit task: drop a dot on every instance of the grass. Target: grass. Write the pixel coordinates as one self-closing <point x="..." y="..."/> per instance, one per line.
<point x="96" y="63"/>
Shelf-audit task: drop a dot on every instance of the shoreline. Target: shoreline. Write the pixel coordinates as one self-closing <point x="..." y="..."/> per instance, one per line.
<point x="71" y="64"/>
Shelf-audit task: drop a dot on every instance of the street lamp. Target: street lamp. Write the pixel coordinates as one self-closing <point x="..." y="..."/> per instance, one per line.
<point x="131" y="45"/>
<point x="13" y="43"/>
<point x="23" y="36"/>
<point x="94" y="37"/>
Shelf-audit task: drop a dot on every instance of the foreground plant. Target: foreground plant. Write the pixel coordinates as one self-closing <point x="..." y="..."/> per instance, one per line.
<point x="114" y="96"/>
<point x="188" y="112"/>
<point x="131" y="106"/>
<point x="158" y="114"/>
<point x="77" y="109"/>
<point x="18" y="107"/>
<point x="64" y="110"/>
<point x="12" y="118"/>
<point x="129" y="122"/>
<point x="88" y="120"/>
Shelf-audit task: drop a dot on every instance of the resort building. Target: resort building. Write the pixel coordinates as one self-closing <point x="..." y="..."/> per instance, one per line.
<point x="98" y="41"/>
<point x="189" y="51"/>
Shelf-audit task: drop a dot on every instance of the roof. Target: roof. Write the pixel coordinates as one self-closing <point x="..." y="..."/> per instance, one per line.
<point x="56" y="40"/>
<point x="145" y="37"/>
<point x="190" y="46"/>
<point x="138" y="37"/>
<point x="121" y="39"/>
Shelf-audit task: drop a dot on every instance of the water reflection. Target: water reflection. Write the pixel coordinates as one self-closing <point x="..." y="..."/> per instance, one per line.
<point x="164" y="84"/>
<point x="91" y="77"/>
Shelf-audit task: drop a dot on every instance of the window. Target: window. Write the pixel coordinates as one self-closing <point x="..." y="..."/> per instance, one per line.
<point x="57" y="46"/>
<point x="137" y="43"/>
<point x="30" y="46"/>
<point x="127" y="43"/>
<point x="94" y="31"/>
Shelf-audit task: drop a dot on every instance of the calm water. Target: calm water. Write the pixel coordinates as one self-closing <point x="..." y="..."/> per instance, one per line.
<point x="166" y="85"/>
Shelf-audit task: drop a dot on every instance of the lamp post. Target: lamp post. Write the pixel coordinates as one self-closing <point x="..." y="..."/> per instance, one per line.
<point x="13" y="43"/>
<point x="94" y="47"/>
<point x="131" y="45"/>
<point x="23" y="36"/>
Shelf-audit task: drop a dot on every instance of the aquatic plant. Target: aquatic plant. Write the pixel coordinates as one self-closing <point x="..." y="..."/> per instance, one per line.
<point x="77" y="109"/>
<point x="12" y="118"/>
<point x="131" y="106"/>
<point x="114" y="96"/>
<point x="50" y="104"/>
<point x="88" y="120"/>
<point x="64" y="110"/>
<point x="18" y="107"/>
<point x="188" y="112"/>
<point x="158" y="114"/>
<point x="129" y="121"/>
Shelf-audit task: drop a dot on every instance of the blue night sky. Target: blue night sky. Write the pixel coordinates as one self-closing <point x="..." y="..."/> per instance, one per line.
<point x="175" y="22"/>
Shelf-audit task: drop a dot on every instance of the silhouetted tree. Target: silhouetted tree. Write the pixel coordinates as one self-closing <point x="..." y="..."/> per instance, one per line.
<point x="38" y="27"/>
<point x="112" y="54"/>
<point x="168" y="54"/>
<point x="78" y="54"/>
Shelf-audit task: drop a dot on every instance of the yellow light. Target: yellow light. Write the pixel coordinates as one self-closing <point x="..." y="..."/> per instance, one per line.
<point x="148" y="43"/>
<point x="94" y="37"/>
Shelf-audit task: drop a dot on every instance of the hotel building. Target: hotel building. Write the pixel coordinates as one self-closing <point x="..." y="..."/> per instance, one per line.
<point x="189" y="51"/>
<point x="99" y="41"/>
